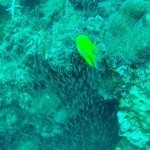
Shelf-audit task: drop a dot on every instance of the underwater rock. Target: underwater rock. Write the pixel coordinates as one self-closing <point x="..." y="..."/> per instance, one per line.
<point x="133" y="116"/>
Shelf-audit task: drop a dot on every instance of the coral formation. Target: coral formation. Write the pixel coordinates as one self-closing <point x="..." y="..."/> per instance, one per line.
<point x="134" y="111"/>
<point x="50" y="98"/>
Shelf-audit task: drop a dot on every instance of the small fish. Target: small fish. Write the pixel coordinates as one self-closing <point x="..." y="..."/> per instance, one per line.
<point x="86" y="49"/>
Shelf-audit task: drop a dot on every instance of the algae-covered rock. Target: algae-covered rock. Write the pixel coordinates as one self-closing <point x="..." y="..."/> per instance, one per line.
<point x="135" y="8"/>
<point x="45" y="103"/>
<point x="133" y="115"/>
<point x="52" y="10"/>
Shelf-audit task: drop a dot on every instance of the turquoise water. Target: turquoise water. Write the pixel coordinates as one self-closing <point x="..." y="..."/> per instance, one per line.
<point x="74" y="75"/>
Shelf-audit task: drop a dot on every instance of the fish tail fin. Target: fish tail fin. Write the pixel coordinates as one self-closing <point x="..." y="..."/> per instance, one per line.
<point x="92" y="61"/>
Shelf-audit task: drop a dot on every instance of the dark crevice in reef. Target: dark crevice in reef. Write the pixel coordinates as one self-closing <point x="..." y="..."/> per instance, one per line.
<point x="95" y="127"/>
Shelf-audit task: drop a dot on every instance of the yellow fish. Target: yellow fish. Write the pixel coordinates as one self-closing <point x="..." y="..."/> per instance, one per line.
<point x="86" y="49"/>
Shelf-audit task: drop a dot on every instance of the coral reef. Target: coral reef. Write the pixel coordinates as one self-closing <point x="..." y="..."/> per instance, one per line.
<point x="134" y="111"/>
<point x="51" y="99"/>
